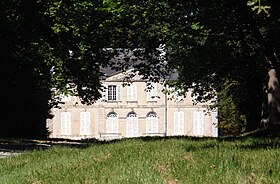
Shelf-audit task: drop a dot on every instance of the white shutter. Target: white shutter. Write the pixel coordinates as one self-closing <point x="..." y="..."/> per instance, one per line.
<point x="112" y="124"/>
<point x="152" y="93"/>
<point x="104" y="93"/>
<point x="132" y="127"/>
<point x="155" y="125"/>
<point x="149" y="125"/>
<point x="198" y="123"/>
<point x="176" y="125"/>
<point x="179" y="123"/>
<point x="109" y="124"/>
<point x="132" y="92"/>
<point x="85" y="123"/>
<point x="118" y="93"/>
<point x="65" y="123"/>
<point x="129" y="93"/>
<point x="214" y="124"/>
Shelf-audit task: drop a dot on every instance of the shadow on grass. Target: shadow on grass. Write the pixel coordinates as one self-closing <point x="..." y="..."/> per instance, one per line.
<point x="245" y="142"/>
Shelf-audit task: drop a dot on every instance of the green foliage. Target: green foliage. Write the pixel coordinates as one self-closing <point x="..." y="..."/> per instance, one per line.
<point x="231" y="121"/>
<point x="154" y="160"/>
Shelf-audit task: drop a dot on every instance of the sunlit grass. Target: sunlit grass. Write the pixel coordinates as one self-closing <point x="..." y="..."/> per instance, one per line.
<point x="173" y="160"/>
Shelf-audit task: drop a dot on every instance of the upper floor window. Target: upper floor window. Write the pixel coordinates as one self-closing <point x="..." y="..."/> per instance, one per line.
<point x="132" y="92"/>
<point x="152" y="93"/>
<point x="113" y="93"/>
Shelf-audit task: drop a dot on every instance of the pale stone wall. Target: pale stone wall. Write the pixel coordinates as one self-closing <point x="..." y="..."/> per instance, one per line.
<point x="141" y="106"/>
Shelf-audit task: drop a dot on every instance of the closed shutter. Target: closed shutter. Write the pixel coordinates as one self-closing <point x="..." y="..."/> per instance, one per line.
<point x="85" y="123"/>
<point x="112" y="124"/>
<point x="118" y="93"/>
<point x="152" y="93"/>
<point x="132" y="92"/>
<point x="198" y="123"/>
<point x="152" y="124"/>
<point x="214" y="124"/>
<point x="105" y="93"/>
<point x="65" y="123"/>
<point x="179" y="123"/>
<point x="132" y="126"/>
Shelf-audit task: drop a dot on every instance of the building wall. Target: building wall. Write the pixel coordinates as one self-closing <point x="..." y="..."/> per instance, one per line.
<point x="99" y="111"/>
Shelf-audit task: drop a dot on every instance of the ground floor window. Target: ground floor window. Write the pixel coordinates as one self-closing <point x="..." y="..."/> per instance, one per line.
<point x="179" y="123"/>
<point x="65" y="123"/>
<point x="132" y="125"/>
<point x="112" y="123"/>
<point x="198" y="123"/>
<point x="151" y="123"/>
<point x="85" y="123"/>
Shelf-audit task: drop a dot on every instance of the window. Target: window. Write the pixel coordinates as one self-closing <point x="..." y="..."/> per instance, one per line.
<point x="132" y="92"/>
<point x="132" y="125"/>
<point x="152" y="123"/>
<point x="113" y="93"/>
<point x="214" y="124"/>
<point x="85" y="123"/>
<point x="112" y="124"/>
<point x="198" y="123"/>
<point x="179" y="123"/>
<point x="152" y="93"/>
<point x="65" y="123"/>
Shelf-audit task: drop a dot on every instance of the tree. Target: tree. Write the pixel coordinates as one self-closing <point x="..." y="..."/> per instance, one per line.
<point x="47" y="48"/>
<point x="210" y="43"/>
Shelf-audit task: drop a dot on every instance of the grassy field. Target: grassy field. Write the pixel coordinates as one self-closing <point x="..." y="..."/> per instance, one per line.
<point x="142" y="160"/>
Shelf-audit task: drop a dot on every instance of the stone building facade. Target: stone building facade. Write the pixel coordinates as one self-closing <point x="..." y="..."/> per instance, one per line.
<point x="132" y="111"/>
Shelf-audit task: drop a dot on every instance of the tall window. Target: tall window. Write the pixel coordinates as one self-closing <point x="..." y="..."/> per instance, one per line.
<point x="214" y="124"/>
<point x="132" y="125"/>
<point x="85" y="123"/>
<point x="179" y="123"/>
<point x="152" y="93"/>
<point x="112" y="123"/>
<point x="132" y="92"/>
<point x="198" y="123"/>
<point x="152" y="123"/>
<point x="113" y="93"/>
<point x="65" y="123"/>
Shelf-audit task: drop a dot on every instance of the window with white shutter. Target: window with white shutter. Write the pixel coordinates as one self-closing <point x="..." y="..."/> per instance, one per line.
<point x="113" y="93"/>
<point x="132" y="92"/>
<point x="151" y="123"/>
<point x="198" y="123"/>
<point x="112" y="123"/>
<point x="214" y="124"/>
<point x="65" y="123"/>
<point x="85" y="123"/>
<point x="152" y="93"/>
<point x="179" y="123"/>
<point x="132" y="125"/>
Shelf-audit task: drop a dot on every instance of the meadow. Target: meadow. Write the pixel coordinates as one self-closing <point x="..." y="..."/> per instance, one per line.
<point x="149" y="160"/>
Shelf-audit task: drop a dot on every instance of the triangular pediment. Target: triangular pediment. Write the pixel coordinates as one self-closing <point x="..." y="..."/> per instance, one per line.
<point x="125" y="76"/>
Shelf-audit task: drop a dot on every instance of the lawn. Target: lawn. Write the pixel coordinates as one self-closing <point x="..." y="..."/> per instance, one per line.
<point x="144" y="160"/>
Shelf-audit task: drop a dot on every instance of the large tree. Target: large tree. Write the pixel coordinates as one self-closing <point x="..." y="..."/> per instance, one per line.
<point x="59" y="46"/>
<point x="47" y="48"/>
<point x="211" y="43"/>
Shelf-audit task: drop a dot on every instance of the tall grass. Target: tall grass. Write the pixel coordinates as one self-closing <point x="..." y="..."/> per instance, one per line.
<point x="172" y="160"/>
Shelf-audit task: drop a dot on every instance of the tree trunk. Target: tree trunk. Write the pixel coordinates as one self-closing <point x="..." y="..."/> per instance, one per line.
<point x="273" y="100"/>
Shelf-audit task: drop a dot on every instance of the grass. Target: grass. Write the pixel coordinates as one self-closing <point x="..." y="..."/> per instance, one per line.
<point x="143" y="160"/>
